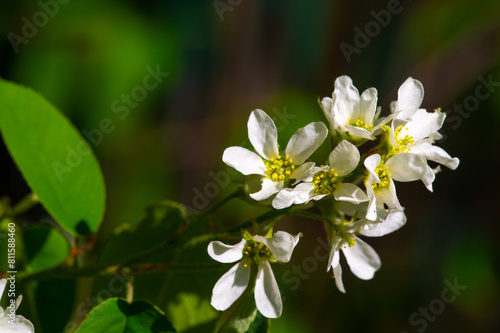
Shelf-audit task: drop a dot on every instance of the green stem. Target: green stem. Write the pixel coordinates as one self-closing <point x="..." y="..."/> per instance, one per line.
<point x="25" y="204"/>
<point x="215" y="207"/>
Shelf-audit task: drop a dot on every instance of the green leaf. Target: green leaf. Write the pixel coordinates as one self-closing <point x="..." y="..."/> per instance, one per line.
<point x="161" y="222"/>
<point x="243" y="317"/>
<point x="55" y="160"/>
<point x="115" y="315"/>
<point x="45" y="247"/>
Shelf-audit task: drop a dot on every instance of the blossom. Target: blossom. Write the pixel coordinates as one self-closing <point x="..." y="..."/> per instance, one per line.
<point x="361" y="257"/>
<point x="350" y="114"/>
<point x="410" y="97"/>
<point x="9" y="322"/>
<point x="249" y="251"/>
<point x="275" y="168"/>
<point x="379" y="183"/>
<point x="417" y="135"/>
<point x="320" y="182"/>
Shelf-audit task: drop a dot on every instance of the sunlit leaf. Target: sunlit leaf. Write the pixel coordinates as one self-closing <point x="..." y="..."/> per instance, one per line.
<point x="54" y="159"/>
<point x="115" y="315"/>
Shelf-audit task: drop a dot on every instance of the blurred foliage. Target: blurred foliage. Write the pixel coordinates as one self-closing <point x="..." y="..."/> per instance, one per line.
<point x="277" y="55"/>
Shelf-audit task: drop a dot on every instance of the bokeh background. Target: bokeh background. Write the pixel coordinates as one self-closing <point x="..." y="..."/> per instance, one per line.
<point x="226" y="58"/>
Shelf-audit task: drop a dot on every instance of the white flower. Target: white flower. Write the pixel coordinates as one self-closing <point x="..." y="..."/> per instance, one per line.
<point x="350" y="114"/>
<point x="417" y="136"/>
<point x="320" y="182"/>
<point x="388" y="220"/>
<point x="9" y="322"/>
<point x="260" y="251"/>
<point x="410" y="96"/>
<point x="380" y="186"/>
<point x="361" y="257"/>
<point x="275" y="168"/>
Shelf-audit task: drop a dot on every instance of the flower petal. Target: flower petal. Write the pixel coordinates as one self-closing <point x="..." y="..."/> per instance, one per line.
<point x="334" y="259"/>
<point x="344" y="158"/>
<point x="422" y="124"/>
<point x="268" y="188"/>
<point x="267" y="293"/>
<point x="230" y="286"/>
<point x="410" y="97"/>
<point x="20" y="325"/>
<point x="368" y="106"/>
<point x="350" y="193"/>
<point x="359" y="132"/>
<point x="3" y="283"/>
<point x="337" y="273"/>
<point x="406" y="167"/>
<point x="371" y="210"/>
<point x="302" y="193"/>
<point x="305" y="141"/>
<point x="263" y="134"/>
<point x="436" y="154"/>
<point x="327" y="104"/>
<point x="395" y="220"/>
<point x="362" y="259"/>
<point x="243" y="160"/>
<point x="371" y="162"/>
<point x="226" y="253"/>
<point x="300" y="173"/>
<point x="281" y="244"/>
<point x="347" y="102"/>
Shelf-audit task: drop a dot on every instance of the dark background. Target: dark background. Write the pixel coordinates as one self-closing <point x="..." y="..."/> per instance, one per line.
<point x="225" y="60"/>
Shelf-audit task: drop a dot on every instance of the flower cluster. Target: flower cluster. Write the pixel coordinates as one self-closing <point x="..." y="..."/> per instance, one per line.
<point x="358" y="187"/>
<point x="9" y="321"/>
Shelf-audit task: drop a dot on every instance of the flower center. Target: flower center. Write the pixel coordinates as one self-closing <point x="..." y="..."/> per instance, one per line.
<point x="348" y="238"/>
<point x="279" y="168"/>
<point x="384" y="177"/>
<point x="358" y="123"/>
<point x="405" y="143"/>
<point x="325" y="181"/>
<point x="256" y="252"/>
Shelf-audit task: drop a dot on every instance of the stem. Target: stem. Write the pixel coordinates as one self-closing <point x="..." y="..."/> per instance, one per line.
<point x="25" y="204"/>
<point x="215" y="207"/>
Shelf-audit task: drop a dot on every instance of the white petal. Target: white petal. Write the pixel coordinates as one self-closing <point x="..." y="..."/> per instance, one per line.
<point x="428" y="178"/>
<point x="226" y="253"/>
<point x="230" y="287"/>
<point x="395" y="220"/>
<point x="347" y="102"/>
<point x="368" y="105"/>
<point x="268" y="188"/>
<point x="406" y="167"/>
<point x="371" y="162"/>
<point x="267" y="293"/>
<point x="337" y="273"/>
<point x="20" y="325"/>
<point x="371" y="210"/>
<point x="281" y="244"/>
<point x="302" y="193"/>
<point x="422" y="124"/>
<point x="263" y="134"/>
<point x="243" y="160"/>
<point x="344" y="158"/>
<point x="410" y="96"/>
<point x="327" y="104"/>
<point x="349" y="192"/>
<point x="436" y="154"/>
<point x="362" y="259"/>
<point x="299" y="173"/>
<point x="359" y="132"/>
<point x="3" y="283"/>
<point x="333" y="260"/>
<point x="305" y="141"/>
